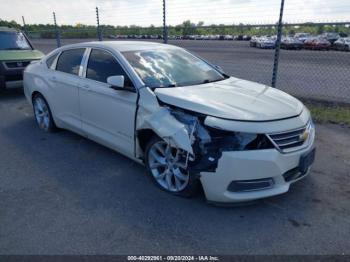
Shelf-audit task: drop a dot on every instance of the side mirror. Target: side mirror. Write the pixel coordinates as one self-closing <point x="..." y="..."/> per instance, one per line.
<point x="116" y="82"/>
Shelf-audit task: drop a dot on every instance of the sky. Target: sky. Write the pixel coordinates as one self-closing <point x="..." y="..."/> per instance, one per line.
<point x="147" y="12"/>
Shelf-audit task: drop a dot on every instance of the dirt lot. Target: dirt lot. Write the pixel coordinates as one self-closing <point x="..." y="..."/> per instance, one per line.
<point x="63" y="194"/>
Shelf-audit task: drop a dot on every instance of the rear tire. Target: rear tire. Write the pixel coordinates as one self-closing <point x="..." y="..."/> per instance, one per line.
<point x="42" y="114"/>
<point x="166" y="167"/>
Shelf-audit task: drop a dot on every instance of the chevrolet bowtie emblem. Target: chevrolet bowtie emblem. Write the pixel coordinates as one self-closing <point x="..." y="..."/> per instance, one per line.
<point x="304" y="136"/>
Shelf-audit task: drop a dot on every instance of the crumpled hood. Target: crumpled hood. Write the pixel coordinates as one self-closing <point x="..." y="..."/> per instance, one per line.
<point x="234" y="99"/>
<point x="8" y="55"/>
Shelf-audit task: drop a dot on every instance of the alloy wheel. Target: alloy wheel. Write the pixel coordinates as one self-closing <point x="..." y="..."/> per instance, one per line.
<point x="42" y="113"/>
<point x="167" y="165"/>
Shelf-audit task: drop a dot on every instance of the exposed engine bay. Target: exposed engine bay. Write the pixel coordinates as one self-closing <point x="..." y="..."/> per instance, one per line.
<point x="208" y="143"/>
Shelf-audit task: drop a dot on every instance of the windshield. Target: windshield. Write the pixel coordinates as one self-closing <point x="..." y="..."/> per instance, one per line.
<point x="13" y="41"/>
<point x="171" y="68"/>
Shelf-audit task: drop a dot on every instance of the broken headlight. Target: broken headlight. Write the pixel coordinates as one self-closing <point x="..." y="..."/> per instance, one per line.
<point x="237" y="141"/>
<point x="208" y="143"/>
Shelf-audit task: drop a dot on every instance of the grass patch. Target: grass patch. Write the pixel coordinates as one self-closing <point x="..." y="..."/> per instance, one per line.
<point x="330" y="113"/>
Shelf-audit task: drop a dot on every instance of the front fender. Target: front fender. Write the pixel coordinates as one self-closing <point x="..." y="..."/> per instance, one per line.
<point x="159" y="119"/>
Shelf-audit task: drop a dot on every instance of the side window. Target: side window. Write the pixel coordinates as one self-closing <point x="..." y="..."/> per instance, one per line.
<point x="50" y="60"/>
<point x="70" y="60"/>
<point x="102" y="65"/>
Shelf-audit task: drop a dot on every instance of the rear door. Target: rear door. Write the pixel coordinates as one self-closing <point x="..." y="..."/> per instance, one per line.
<point x="108" y="115"/>
<point x="65" y="92"/>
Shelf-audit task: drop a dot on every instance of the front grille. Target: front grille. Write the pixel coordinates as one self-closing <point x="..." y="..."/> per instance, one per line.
<point x="290" y="139"/>
<point x="16" y="64"/>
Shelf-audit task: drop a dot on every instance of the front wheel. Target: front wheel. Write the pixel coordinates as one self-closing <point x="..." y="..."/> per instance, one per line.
<point x="167" y="167"/>
<point x="43" y="114"/>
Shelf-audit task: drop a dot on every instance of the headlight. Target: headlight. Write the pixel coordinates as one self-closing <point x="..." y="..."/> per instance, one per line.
<point x="236" y="141"/>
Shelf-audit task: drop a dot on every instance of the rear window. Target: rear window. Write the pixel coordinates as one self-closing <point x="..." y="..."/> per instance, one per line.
<point x="13" y="41"/>
<point x="70" y="60"/>
<point x="50" y="60"/>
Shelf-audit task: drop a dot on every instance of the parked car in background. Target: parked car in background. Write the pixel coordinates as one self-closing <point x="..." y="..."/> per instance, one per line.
<point x="302" y="36"/>
<point x="253" y="41"/>
<point x="330" y="37"/>
<point x="238" y="37"/>
<point x="322" y="44"/>
<point x="291" y="43"/>
<point x="266" y="43"/>
<point x="228" y="37"/>
<point x="342" y="44"/>
<point x="247" y="38"/>
<point x="16" y="52"/>
<point x="317" y="43"/>
<point x="188" y="122"/>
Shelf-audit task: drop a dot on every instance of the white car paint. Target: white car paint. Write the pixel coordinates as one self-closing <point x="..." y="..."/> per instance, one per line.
<point x="113" y="118"/>
<point x="234" y="99"/>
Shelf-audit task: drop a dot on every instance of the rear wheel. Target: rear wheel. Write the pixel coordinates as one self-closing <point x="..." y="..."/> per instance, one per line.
<point x="167" y="167"/>
<point x="43" y="114"/>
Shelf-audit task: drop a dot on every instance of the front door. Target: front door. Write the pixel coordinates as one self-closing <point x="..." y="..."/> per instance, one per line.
<point x="108" y="115"/>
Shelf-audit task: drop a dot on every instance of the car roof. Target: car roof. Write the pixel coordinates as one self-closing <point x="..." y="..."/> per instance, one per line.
<point x="122" y="46"/>
<point x="7" y="29"/>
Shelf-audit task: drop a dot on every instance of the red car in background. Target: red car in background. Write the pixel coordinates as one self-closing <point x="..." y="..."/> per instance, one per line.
<point x="317" y="43"/>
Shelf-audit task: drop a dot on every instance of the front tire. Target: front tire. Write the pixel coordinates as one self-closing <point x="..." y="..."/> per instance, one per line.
<point x="43" y="114"/>
<point x="167" y="168"/>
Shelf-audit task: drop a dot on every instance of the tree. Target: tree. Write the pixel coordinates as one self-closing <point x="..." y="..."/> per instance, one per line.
<point x="200" y="23"/>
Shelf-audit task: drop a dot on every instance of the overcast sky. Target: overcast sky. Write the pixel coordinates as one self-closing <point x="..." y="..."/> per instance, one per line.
<point x="146" y="12"/>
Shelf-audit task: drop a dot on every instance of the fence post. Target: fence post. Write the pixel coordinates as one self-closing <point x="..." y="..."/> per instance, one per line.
<point x="57" y="32"/>
<point x="278" y="46"/>
<point x="165" y="29"/>
<point x="99" y="34"/>
<point x="24" y="26"/>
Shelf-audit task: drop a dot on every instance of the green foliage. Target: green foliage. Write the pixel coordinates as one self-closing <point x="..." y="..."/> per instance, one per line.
<point x="186" y="28"/>
<point x="330" y="113"/>
<point x="12" y="24"/>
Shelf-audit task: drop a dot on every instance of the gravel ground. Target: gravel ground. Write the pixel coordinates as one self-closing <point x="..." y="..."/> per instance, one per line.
<point x="63" y="194"/>
<point x="321" y="75"/>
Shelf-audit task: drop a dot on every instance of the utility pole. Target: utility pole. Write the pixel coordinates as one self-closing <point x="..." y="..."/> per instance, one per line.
<point x="99" y="33"/>
<point x="57" y="32"/>
<point x="165" y="29"/>
<point x="278" y="46"/>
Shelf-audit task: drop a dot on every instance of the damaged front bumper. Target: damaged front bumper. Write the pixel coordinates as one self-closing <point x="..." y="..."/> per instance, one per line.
<point x="250" y="175"/>
<point x="236" y="161"/>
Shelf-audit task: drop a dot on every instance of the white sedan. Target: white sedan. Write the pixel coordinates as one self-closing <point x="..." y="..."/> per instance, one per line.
<point x="189" y="123"/>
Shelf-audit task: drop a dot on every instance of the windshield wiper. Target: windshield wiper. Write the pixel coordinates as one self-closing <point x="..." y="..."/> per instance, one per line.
<point x="170" y="85"/>
<point x="207" y="81"/>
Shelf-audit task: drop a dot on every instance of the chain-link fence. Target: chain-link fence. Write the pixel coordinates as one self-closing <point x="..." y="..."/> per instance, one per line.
<point x="313" y="62"/>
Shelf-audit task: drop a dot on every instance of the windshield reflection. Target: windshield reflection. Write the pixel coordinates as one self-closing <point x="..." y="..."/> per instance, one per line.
<point x="171" y="67"/>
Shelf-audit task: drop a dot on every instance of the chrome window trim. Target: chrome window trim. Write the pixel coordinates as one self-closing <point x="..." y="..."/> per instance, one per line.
<point x="84" y="62"/>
